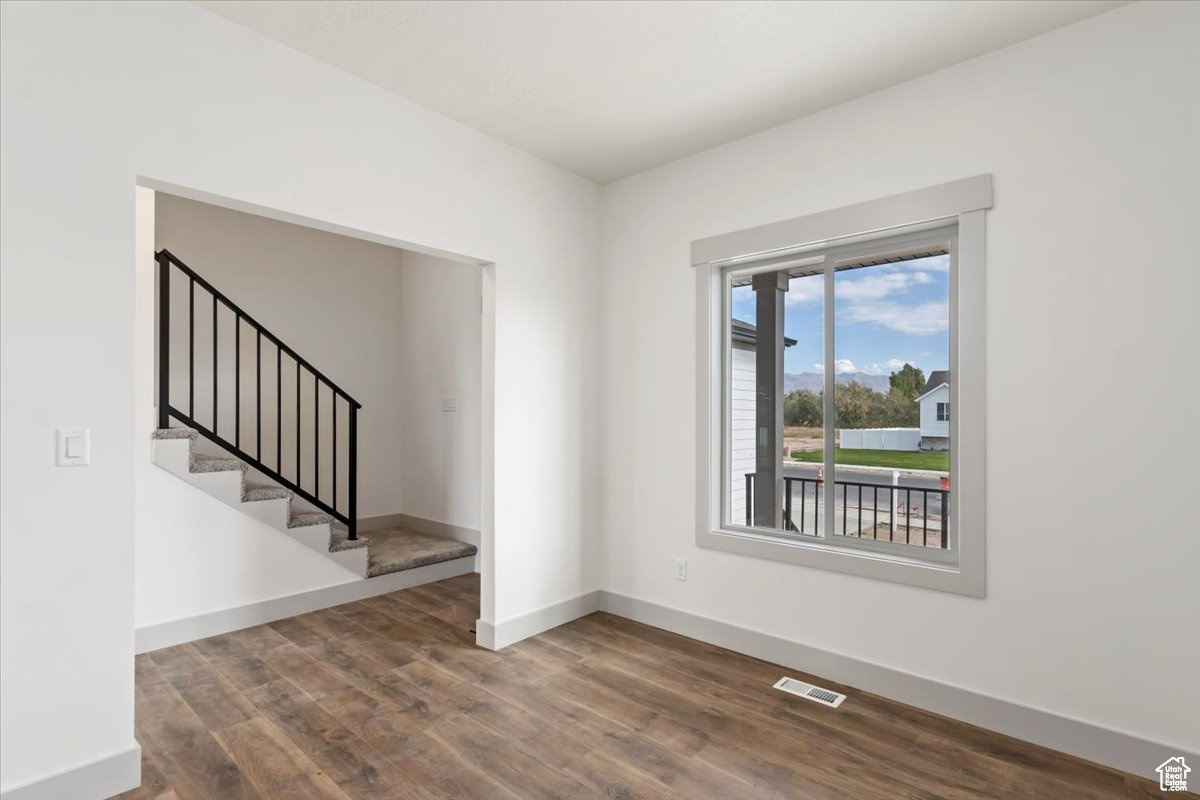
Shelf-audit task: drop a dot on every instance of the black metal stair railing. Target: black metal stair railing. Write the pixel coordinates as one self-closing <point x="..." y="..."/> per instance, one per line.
<point x="289" y="475"/>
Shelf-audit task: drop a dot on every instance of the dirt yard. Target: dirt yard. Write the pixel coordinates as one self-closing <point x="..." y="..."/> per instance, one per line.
<point x="805" y="439"/>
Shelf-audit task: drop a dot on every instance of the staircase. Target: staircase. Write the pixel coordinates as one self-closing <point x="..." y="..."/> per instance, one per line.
<point x="235" y="449"/>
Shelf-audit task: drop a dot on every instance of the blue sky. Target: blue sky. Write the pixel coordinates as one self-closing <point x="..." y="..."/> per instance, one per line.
<point x="885" y="316"/>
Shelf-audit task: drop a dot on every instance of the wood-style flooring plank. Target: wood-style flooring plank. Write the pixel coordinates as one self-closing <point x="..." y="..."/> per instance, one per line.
<point x="388" y="698"/>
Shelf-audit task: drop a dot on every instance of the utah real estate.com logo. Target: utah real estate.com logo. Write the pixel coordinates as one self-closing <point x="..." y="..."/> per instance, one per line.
<point x="1172" y="775"/>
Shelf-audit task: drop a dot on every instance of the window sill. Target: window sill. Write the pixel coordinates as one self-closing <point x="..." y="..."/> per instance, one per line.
<point x="848" y="560"/>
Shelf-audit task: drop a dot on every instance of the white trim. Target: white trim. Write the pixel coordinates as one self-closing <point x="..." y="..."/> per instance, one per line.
<point x="430" y="527"/>
<point x="919" y="398"/>
<point x="1086" y="740"/>
<point x="960" y="569"/>
<point x="188" y="629"/>
<point x="496" y="636"/>
<point x="94" y="780"/>
<point x="944" y="201"/>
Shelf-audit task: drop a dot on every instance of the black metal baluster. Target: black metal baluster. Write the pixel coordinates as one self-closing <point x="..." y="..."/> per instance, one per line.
<point x="297" y="422"/>
<point x="845" y="503"/>
<point x="860" y="488"/>
<point x="907" y="514"/>
<point x="924" y="517"/>
<point x="191" y="346"/>
<point x="352" y="502"/>
<point x="875" y="513"/>
<point x="333" y="400"/>
<point x="317" y="437"/>
<point x="214" y="297"/>
<point x="803" y="489"/>
<point x="787" y="504"/>
<point x="945" y="520"/>
<point x="164" y="341"/>
<point x="258" y="394"/>
<point x="237" y="380"/>
<point x="749" y="494"/>
<point x="279" y="408"/>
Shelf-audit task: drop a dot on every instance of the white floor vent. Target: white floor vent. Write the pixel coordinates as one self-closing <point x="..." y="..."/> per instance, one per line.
<point x="810" y="692"/>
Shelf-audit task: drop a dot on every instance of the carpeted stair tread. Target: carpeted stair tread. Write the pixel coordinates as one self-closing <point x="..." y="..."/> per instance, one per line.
<point x="303" y="519"/>
<point x="176" y="433"/>
<point x="264" y="491"/>
<point x="339" y="539"/>
<point x="203" y="463"/>
<point x="397" y="549"/>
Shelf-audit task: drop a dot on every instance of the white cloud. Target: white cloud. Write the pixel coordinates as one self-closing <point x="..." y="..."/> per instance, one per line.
<point x="919" y="319"/>
<point x="804" y="292"/>
<point x="840" y="366"/>
<point x="878" y="285"/>
<point x="891" y="365"/>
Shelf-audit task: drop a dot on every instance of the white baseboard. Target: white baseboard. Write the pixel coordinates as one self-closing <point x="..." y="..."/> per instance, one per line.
<point x="1122" y="751"/>
<point x="166" y="634"/>
<point x="94" y="780"/>
<point x="495" y="636"/>
<point x="432" y="527"/>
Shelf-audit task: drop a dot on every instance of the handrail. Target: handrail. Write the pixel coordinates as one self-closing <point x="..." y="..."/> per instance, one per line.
<point x="208" y="287"/>
<point x="166" y="261"/>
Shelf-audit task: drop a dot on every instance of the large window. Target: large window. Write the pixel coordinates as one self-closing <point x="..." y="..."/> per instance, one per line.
<point x="832" y="368"/>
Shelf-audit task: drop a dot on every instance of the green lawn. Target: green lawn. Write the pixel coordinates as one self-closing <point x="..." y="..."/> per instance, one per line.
<point x="897" y="459"/>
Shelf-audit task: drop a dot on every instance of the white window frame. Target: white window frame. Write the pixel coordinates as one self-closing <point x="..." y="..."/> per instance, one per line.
<point x="943" y="411"/>
<point x="960" y="204"/>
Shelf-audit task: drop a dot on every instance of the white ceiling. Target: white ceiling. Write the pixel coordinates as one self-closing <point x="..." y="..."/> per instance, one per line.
<point x="607" y="89"/>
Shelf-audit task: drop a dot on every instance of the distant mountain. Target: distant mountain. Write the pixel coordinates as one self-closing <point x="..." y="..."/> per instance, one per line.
<point x="815" y="381"/>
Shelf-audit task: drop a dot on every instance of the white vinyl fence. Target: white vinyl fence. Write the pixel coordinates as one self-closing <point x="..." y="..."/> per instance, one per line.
<point x="880" y="438"/>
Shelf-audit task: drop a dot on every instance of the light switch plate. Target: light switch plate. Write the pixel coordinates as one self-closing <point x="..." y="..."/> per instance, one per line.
<point x="449" y="404"/>
<point x="72" y="447"/>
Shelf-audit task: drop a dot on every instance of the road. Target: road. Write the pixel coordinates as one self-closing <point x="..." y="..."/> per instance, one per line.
<point x="870" y="497"/>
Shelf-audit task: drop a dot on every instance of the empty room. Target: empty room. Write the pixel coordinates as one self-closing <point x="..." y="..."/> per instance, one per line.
<point x="515" y="399"/>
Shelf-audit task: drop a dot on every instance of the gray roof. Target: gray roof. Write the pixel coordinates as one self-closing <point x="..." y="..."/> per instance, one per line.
<point x="936" y="379"/>
<point x="748" y="334"/>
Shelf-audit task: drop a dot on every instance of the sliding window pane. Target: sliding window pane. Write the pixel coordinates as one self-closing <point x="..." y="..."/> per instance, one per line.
<point x="891" y="398"/>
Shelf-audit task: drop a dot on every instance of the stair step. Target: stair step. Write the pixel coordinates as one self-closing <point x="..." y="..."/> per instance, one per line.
<point x="176" y="433"/>
<point x="303" y="519"/>
<point x="263" y="491"/>
<point x="203" y="463"/>
<point x="339" y="539"/>
<point x="397" y="549"/>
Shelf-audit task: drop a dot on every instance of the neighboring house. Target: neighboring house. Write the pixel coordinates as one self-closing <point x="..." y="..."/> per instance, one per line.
<point x="741" y="429"/>
<point x="935" y="411"/>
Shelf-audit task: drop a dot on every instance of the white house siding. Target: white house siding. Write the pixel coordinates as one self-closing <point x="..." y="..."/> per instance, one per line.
<point x="741" y="429"/>
<point x="929" y="421"/>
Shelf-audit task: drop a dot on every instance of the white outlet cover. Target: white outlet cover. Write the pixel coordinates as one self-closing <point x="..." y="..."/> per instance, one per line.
<point x="449" y="404"/>
<point x="680" y="569"/>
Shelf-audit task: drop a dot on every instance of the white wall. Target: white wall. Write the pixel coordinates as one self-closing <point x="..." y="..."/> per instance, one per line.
<point x="335" y="300"/>
<point x="879" y="438"/>
<point x="1090" y="133"/>
<point x="168" y="92"/>
<point x="440" y="357"/>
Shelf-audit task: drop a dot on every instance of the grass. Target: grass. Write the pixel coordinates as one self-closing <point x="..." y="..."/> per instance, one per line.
<point x="896" y="459"/>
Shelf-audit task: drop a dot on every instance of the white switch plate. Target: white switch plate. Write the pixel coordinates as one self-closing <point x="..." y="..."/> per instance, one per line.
<point x="680" y="569"/>
<point x="72" y="447"/>
<point x="449" y="404"/>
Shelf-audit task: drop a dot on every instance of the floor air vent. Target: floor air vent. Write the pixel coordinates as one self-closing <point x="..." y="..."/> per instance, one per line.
<point x="810" y="692"/>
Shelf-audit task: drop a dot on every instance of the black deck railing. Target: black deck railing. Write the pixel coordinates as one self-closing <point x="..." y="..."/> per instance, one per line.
<point x="292" y="474"/>
<point x="897" y="504"/>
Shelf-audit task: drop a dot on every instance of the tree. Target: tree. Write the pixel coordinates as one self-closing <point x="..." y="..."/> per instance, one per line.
<point x="908" y="381"/>
<point x="858" y="406"/>
<point x="802" y="408"/>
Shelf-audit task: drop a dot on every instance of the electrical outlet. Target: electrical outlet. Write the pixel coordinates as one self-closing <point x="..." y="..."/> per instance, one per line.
<point x="680" y="569"/>
<point x="449" y="404"/>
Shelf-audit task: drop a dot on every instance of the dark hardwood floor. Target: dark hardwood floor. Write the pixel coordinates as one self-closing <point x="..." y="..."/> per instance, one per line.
<point x="389" y="698"/>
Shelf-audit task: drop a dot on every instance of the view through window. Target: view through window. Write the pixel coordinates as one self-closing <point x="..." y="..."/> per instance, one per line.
<point x="885" y="483"/>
